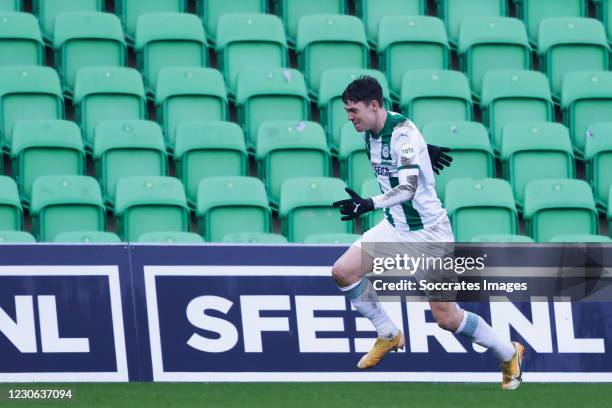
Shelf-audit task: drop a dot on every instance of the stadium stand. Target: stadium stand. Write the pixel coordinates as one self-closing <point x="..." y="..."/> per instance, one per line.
<point x="11" y="212"/>
<point x="48" y="10"/>
<point x="210" y="11"/>
<point x="373" y="12"/>
<point x="131" y="10"/>
<point x="454" y="12"/>
<point x="533" y="12"/>
<point x="292" y="11"/>
<point x="16" y="237"/>
<point x="502" y="238"/>
<point x="370" y="188"/>
<point x="598" y="160"/>
<point x="20" y="40"/>
<point x="170" y="237"/>
<point x="87" y="237"/>
<point x="254" y="238"/>
<point x="581" y="238"/>
<point x="10" y="5"/>
<point x="332" y="239"/>
<point x="355" y="166"/>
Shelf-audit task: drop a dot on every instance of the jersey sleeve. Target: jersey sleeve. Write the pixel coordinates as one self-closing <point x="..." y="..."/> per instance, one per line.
<point x="409" y="148"/>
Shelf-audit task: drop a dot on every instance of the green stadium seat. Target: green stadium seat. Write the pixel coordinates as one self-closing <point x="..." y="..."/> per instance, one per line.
<point x="604" y="11"/>
<point x="535" y="151"/>
<point x="210" y="11"/>
<point x="270" y="94"/>
<point x="567" y="45"/>
<point x="488" y="44"/>
<point x="87" y="39"/>
<point x="435" y="96"/>
<point x="189" y="94"/>
<point x="371" y="188"/>
<point x="283" y="144"/>
<point x="559" y="207"/>
<point x="408" y="43"/>
<point x="11" y="213"/>
<point x="127" y="148"/>
<point x="514" y="96"/>
<point x="208" y="149"/>
<point x="470" y="149"/>
<point x="66" y="203"/>
<point x="355" y="167"/>
<point x="27" y="92"/>
<point x="480" y="207"/>
<point x="533" y="12"/>
<point x="87" y="237"/>
<point x="306" y="207"/>
<point x="331" y="107"/>
<point x="454" y="12"/>
<point x="340" y="239"/>
<point x="610" y="211"/>
<point x="249" y="41"/>
<point x="10" y="5"/>
<point x="228" y="205"/>
<point x="20" y="40"/>
<point x="502" y="238"/>
<point x="373" y="12"/>
<point x="130" y="11"/>
<point x="10" y="237"/>
<point x="107" y="93"/>
<point x="169" y="40"/>
<point x="584" y="238"/>
<point x="598" y="160"/>
<point x="171" y="237"/>
<point x="45" y="148"/>
<point x="329" y="41"/>
<point x="48" y="10"/>
<point x="586" y="99"/>
<point x="150" y="204"/>
<point x="292" y="11"/>
<point x="254" y="238"/>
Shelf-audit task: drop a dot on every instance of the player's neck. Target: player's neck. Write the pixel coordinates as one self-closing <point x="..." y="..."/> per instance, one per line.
<point x="380" y="122"/>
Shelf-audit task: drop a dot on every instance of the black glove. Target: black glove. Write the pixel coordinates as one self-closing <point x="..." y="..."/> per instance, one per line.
<point x="438" y="157"/>
<point x="355" y="206"/>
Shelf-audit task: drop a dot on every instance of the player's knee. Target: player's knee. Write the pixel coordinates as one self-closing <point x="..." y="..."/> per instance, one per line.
<point x="446" y="323"/>
<point x="341" y="274"/>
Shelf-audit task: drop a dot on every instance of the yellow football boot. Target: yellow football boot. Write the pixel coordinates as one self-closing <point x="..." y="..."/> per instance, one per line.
<point x="513" y="370"/>
<point x="381" y="347"/>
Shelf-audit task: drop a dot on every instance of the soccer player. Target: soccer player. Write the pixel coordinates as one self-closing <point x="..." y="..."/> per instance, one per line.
<point x="413" y="214"/>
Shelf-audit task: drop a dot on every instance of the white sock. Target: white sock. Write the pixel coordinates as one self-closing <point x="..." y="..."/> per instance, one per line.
<point x="364" y="298"/>
<point x="476" y="329"/>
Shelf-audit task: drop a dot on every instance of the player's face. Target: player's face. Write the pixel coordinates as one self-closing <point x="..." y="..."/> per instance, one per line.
<point x="361" y="115"/>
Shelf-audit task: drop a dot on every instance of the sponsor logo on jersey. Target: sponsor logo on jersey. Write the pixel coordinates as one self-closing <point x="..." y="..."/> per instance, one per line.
<point x="382" y="170"/>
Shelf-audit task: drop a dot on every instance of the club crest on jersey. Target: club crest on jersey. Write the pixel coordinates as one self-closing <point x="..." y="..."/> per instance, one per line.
<point x="385" y="152"/>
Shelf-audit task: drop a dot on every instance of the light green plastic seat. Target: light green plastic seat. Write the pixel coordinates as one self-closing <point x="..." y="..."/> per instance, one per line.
<point x="208" y="149"/>
<point x="86" y="39"/>
<point x="586" y="99"/>
<point x="66" y="203"/>
<point x="10" y="5"/>
<point x="228" y="205"/>
<point x="510" y="96"/>
<point x="435" y="96"/>
<point x="533" y="12"/>
<point x="371" y="188"/>
<point x="131" y="10"/>
<point x="559" y="207"/>
<point x="210" y="11"/>
<point x="292" y="11"/>
<point x="169" y="40"/>
<point x="254" y="238"/>
<point x="150" y="204"/>
<point x="373" y="12"/>
<point x="10" y="237"/>
<point x="127" y="148"/>
<point x="567" y="45"/>
<point x="107" y="93"/>
<point x="27" y="92"/>
<point x="270" y="94"/>
<point x="45" y="148"/>
<point x="327" y="41"/>
<point x="408" y="43"/>
<point x="330" y="104"/>
<point x="470" y="149"/>
<point x="502" y="238"/>
<point x="355" y="166"/>
<point x="189" y="94"/>
<point x="249" y="41"/>
<point x="48" y="10"/>
<point x="604" y="12"/>
<point x="598" y="160"/>
<point x="492" y="43"/>
<point x="533" y="151"/>
<point x="287" y="149"/>
<point x="86" y="237"/>
<point x="454" y="12"/>
<point x="20" y="39"/>
<point x="480" y="207"/>
<point x="171" y="237"/>
<point x="11" y="212"/>
<point x="585" y="238"/>
<point x="339" y="239"/>
<point x="306" y="207"/>
<point x="610" y="211"/>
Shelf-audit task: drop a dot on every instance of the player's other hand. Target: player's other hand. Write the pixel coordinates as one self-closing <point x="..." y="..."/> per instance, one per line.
<point x="355" y="206"/>
<point x="438" y="157"/>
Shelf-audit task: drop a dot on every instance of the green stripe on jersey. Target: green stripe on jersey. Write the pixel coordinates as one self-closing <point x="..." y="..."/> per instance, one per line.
<point x="409" y="166"/>
<point x="413" y="218"/>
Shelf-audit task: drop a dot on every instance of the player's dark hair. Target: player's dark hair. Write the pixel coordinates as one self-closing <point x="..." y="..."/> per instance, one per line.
<point x="363" y="89"/>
